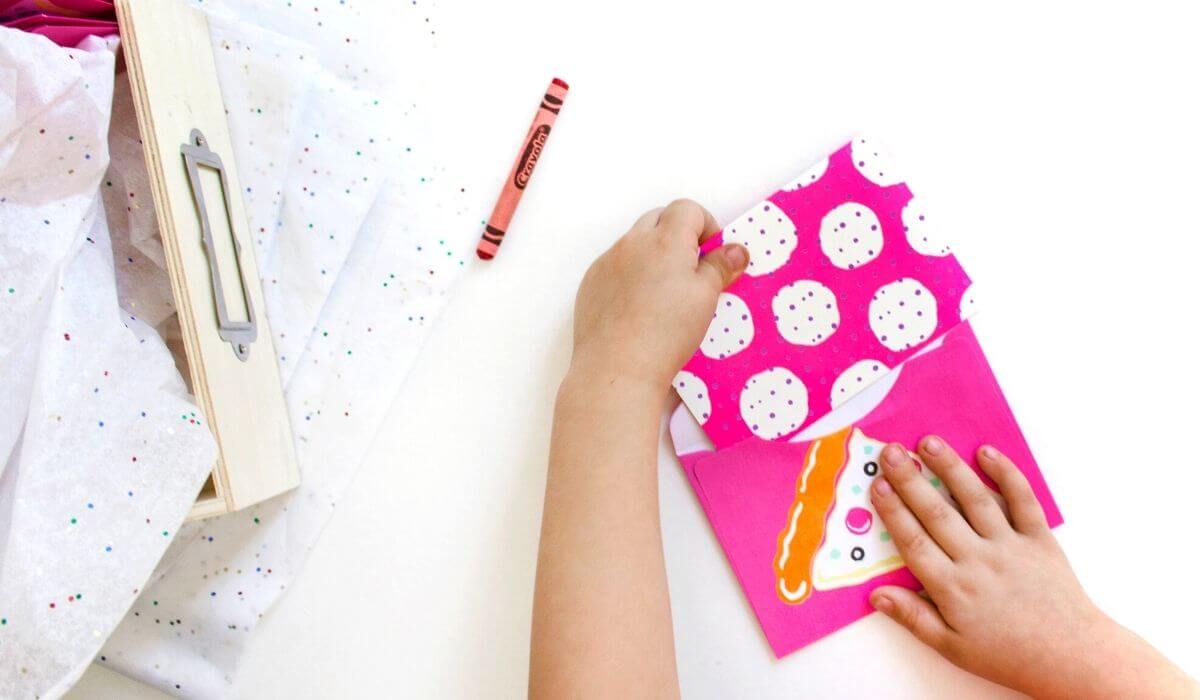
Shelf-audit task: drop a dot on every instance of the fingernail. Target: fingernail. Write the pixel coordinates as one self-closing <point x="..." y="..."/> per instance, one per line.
<point x="883" y="604"/>
<point x="988" y="452"/>
<point x="893" y="457"/>
<point x="882" y="488"/>
<point x="737" y="256"/>
<point x="933" y="445"/>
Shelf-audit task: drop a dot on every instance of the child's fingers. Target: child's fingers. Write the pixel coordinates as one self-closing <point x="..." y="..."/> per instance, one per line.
<point x="723" y="265"/>
<point x="686" y="221"/>
<point x="936" y="514"/>
<point x="914" y="613"/>
<point x="1023" y="505"/>
<point x="647" y="221"/>
<point x="922" y="555"/>
<point x="977" y="501"/>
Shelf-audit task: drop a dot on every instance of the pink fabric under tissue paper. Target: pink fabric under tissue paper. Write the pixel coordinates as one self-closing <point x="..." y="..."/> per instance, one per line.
<point x="847" y="286"/>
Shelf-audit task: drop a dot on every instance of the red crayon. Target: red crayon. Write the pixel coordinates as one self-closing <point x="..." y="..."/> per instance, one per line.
<point x="522" y="170"/>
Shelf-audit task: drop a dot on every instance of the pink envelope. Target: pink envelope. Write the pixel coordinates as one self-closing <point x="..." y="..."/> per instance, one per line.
<point x="794" y="518"/>
<point x="32" y="21"/>
<point x="71" y="35"/>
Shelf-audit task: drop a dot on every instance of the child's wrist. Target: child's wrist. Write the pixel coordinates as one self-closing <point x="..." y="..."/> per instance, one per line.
<point x="1088" y="663"/>
<point x="596" y="384"/>
<point x="598" y="369"/>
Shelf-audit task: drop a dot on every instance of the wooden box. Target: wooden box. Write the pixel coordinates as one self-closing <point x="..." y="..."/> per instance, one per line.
<point x="210" y="254"/>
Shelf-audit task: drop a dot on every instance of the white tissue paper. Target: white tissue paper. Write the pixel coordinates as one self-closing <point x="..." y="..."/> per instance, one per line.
<point x="101" y="449"/>
<point x="348" y="312"/>
<point x="360" y="236"/>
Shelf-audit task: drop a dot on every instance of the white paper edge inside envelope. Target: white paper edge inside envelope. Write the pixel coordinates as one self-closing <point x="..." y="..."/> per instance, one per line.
<point x="688" y="437"/>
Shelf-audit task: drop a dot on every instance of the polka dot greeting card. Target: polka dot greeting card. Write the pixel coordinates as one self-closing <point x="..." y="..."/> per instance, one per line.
<point x="846" y="280"/>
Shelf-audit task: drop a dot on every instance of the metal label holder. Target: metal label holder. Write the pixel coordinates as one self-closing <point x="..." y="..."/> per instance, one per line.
<point x="239" y="334"/>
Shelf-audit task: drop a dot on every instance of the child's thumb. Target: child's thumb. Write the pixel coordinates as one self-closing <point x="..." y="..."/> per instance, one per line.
<point x="724" y="264"/>
<point x="912" y="611"/>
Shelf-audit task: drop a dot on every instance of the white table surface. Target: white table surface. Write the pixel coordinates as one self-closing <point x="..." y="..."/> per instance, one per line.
<point x="1058" y="145"/>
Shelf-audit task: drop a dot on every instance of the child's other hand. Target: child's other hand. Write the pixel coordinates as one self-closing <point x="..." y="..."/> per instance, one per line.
<point x="644" y="305"/>
<point x="1005" y="602"/>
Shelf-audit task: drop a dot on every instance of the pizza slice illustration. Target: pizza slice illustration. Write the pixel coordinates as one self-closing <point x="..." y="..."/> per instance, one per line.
<point x="833" y="536"/>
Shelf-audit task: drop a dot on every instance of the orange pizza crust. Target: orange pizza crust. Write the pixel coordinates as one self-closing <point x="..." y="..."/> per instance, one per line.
<point x="805" y="529"/>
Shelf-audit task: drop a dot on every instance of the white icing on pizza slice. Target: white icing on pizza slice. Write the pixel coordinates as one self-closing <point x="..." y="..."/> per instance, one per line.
<point x="833" y="537"/>
<point x="857" y="547"/>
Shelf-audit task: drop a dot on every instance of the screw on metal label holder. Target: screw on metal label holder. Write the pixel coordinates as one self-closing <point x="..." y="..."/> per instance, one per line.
<point x="239" y="334"/>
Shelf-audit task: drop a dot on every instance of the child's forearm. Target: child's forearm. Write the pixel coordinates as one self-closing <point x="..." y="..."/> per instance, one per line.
<point x="1107" y="660"/>
<point x="601" y="617"/>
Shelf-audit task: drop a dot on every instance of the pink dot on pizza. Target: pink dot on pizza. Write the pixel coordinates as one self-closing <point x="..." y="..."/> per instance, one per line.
<point x="806" y="312"/>
<point x="694" y="393"/>
<point x="859" y="520"/>
<point x="851" y="235"/>
<point x="731" y="329"/>
<point x="767" y="233"/>
<point x="774" y="403"/>
<point x="902" y="314"/>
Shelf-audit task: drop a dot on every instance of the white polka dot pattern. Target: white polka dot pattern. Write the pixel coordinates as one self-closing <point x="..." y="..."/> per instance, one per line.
<point x="731" y="329"/>
<point x="918" y="232"/>
<point x="874" y="162"/>
<point x="808" y="177"/>
<point x="768" y="234"/>
<point x="851" y="235"/>
<point x="694" y="393"/>
<point x="774" y="403"/>
<point x="806" y="312"/>
<point x="966" y="305"/>
<point x="854" y="379"/>
<point x="902" y="314"/>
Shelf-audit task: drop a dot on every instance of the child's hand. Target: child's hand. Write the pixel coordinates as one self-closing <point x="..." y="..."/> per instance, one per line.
<point x="644" y="305"/>
<point x="1005" y="603"/>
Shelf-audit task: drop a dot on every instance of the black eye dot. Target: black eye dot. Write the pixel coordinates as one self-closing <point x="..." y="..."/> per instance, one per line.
<point x="857" y="554"/>
<point x="871" y="468"/>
